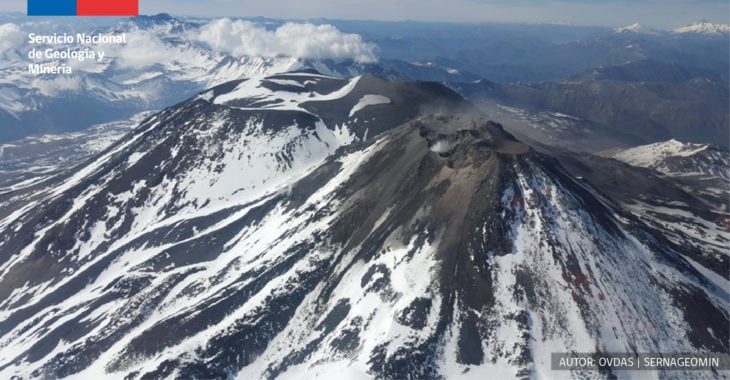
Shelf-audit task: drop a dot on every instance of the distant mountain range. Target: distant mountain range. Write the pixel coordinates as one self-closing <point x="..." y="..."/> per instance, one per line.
<point x="535" y="53"/>
<point x="127" y="83"/>
<point x="704" y="28"/>
<point x="701" y="27"/>
<point x="646" y="70"/>
<point x="637" y="103"/>
<point x="168" y="62"/>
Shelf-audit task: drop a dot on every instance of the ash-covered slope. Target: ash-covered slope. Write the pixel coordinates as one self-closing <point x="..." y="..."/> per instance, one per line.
<point x="298" y="226"/>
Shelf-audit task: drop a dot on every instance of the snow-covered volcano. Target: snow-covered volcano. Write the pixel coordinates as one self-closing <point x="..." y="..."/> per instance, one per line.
<point x="303" y="226"/>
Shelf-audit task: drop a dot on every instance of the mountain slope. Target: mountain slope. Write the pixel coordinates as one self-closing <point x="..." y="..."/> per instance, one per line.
<point x="646" y="70"/>
<point x="694" y="111"/>
<point x="291" y="227"/>
<point x="676" y="158"/>
<point x="701" y="168"/>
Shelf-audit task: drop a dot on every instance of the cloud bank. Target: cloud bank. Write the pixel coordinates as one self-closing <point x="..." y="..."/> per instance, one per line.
<point x="11" y="37"/>
<point x="142" y="50"/>
<point x="244" y="38"/>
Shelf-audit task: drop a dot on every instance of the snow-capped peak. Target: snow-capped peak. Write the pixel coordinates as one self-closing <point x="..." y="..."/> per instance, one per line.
<point x="704" y="28"/>
<point x="633" y="28"/>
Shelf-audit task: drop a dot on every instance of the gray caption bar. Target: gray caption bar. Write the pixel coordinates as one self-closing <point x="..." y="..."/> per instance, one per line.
<point x="561" y="361"/>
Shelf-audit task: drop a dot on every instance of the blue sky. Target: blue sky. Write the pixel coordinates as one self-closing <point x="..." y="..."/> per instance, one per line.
<point x="661" y="14"/>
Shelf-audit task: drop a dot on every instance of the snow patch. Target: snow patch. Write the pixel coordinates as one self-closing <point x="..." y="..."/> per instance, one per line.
<point x="369" y="100"/>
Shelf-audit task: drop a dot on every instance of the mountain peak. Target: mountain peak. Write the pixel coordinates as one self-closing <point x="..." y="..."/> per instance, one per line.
<point x="447" y="134"/>
<point x="634" y="28"/>
<point x="704" y="27"/>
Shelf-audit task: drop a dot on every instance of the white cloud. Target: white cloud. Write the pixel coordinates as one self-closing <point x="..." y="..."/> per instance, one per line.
<point x="143" y="49"/>
<point x="57" y="85"/>
<point x="243" y="38"/>
<point x="11" y="37"/>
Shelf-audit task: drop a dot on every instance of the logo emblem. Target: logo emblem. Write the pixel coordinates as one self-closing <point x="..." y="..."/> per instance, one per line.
<point x="83" y="7"/>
